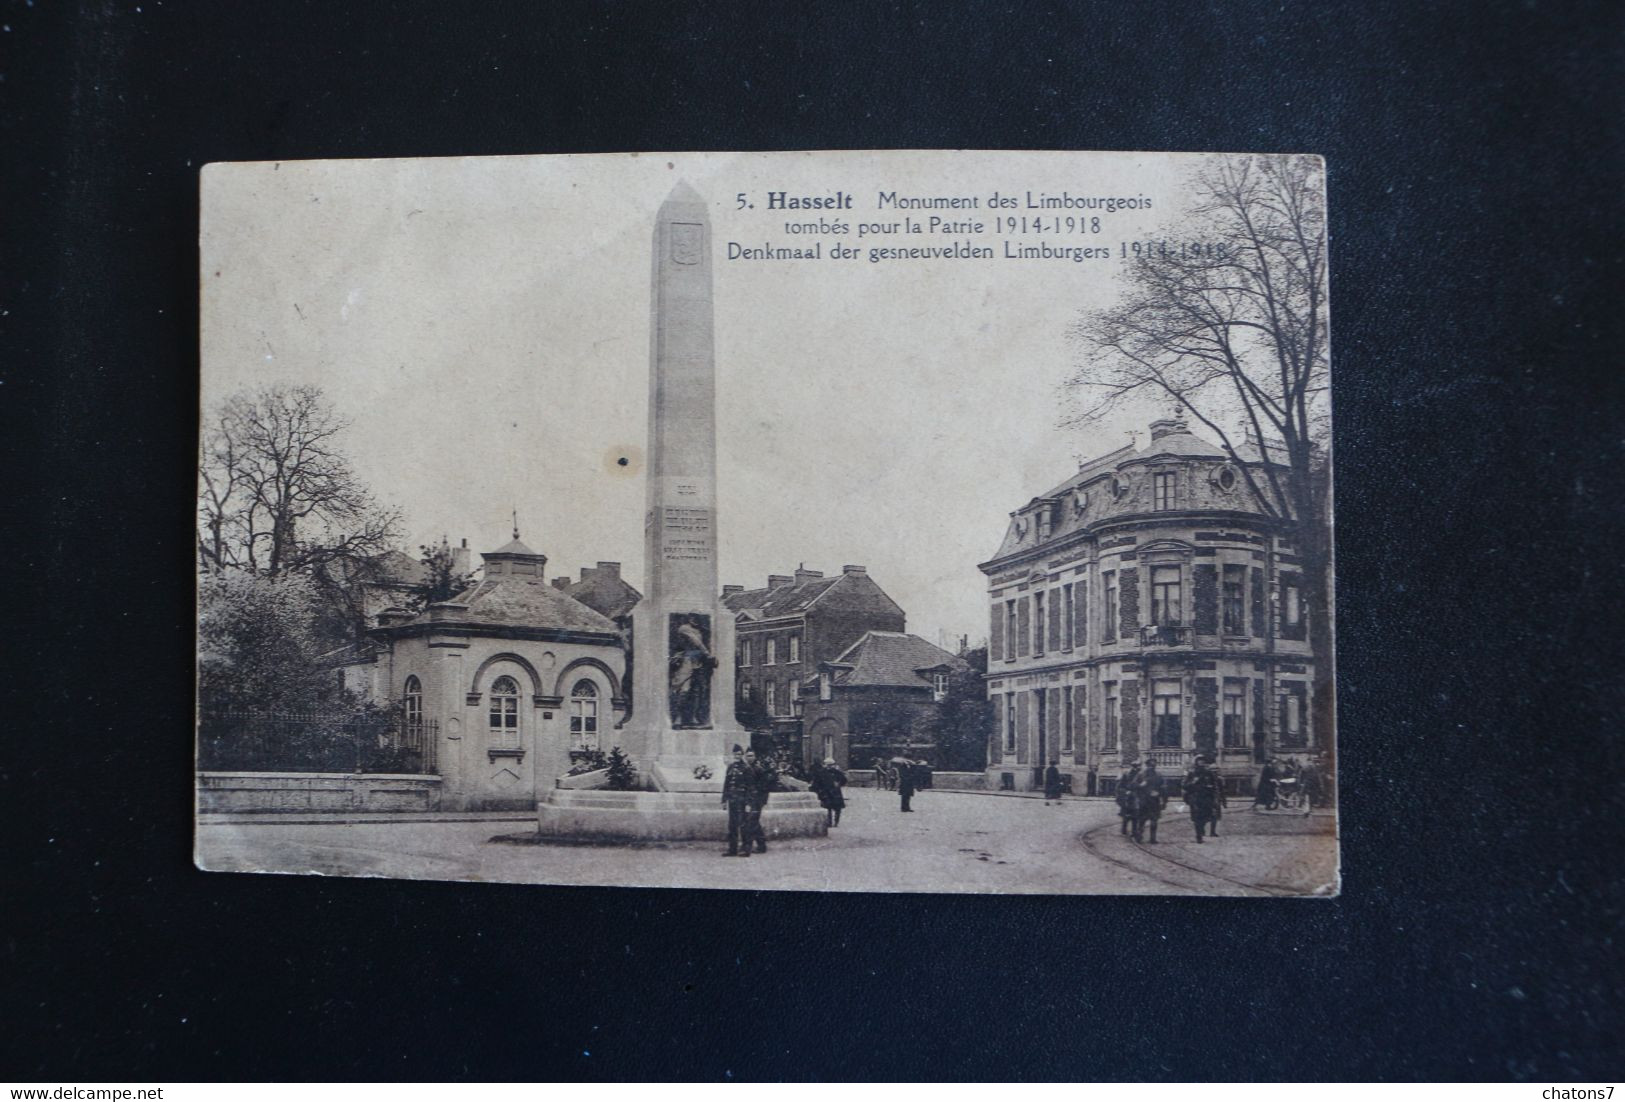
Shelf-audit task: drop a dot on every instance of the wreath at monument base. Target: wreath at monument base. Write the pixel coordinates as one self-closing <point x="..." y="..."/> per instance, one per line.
<point x="702" y="772"/>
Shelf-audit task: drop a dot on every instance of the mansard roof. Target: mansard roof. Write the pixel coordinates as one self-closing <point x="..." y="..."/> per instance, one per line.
<point x="891" y="659"/>
<point x="1117" y="484"/>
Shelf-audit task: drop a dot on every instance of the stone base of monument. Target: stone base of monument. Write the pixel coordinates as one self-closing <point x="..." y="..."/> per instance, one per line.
<point x="600" y="815"/>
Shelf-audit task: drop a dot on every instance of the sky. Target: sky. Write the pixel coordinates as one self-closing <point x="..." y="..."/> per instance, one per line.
<point x="483" y="324"/>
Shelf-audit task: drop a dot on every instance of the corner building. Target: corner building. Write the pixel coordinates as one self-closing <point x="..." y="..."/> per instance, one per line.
<point x="1147" y="607"/>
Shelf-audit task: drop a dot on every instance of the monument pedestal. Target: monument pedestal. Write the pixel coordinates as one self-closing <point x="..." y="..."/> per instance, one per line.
<point x="621" y="817"/>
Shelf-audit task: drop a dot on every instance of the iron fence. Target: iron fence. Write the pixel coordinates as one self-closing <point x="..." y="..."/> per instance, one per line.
<point x="316" y="742"/>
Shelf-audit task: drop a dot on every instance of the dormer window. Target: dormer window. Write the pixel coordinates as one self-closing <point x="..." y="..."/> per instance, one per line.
<point x="1162" y="488"/>
<point x="939" y="685"/>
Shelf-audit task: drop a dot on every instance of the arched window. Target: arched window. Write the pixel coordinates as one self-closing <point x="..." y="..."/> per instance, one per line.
<point x="584" y="715"/>
<point x="413" y="698"/>
<point x="504" y="714"/>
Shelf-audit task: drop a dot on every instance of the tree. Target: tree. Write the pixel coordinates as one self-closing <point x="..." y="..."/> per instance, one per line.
<point x="276" y="496"/>
<point x="964" y="717"/>
<point x="257" y="648"/>
<point x="444" y="581"/>
<point x="1231" y="327"/>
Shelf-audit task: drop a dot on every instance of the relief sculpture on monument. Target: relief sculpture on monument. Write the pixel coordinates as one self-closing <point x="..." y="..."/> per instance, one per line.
<point x="691" y="664"/>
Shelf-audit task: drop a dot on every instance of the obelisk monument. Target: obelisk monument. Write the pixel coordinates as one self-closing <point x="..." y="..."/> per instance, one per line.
<point x="682" y="724"/>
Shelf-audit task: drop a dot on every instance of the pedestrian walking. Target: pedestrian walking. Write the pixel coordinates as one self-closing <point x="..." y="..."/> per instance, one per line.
<point x="1204" y="795"/>
<point x="1314" y="791"/>
<point x="1052" y="785"/>
<point x="1266" y="796"/>
<point x="905" y="783"/>
<point x="1126" y="796"/>
<point x="827" y="783"/>
<point x="1148" y="801"/>
<point x="737" y="788"/>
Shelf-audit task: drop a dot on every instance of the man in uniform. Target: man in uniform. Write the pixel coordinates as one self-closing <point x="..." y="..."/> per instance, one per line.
<point x="738" y="788"/>
<point x="1204" y="795"/>
<point x="1149" y="791"/>
<point x="905" y="783"/>
<point x="1125" y="795"/>
<point x="762" y="779"/>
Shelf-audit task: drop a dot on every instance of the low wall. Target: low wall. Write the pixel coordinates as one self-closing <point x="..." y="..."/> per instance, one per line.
<point x="272" y="792"/>
<point x="964" y="782"/>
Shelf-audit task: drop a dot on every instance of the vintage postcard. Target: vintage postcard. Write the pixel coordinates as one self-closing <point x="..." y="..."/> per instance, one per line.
<point x="922" y="521"/>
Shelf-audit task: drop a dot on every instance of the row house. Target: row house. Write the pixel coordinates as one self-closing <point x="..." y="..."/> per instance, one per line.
<point x="786" y="630"/>
<point x="1147" y="607"/>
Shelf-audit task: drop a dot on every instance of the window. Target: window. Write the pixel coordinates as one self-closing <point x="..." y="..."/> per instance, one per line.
<point x="1235" y="584"/>
<point x="1066" y="720"/>
<point x="744" y="691"/>
<point x="1293" y="733"/>
<point x="939" y="685"/>
<point x="771" y="697"/>
<point x="1069" y="632"/>
<point x="1166" y="706"/>
<point x="1038" y="622"/>
<point x="1235" y="714"/>
<point x="771" y="658"/>
<point x="1165" y="596"/>
<point x="826" y="689"/>
<point x="504" y="713"/>
<point x="1010" y="625"/>
<point x="584" y="715"/>
<point x="1162" y="489"/>
<point x="1109" y="737"/>
<point x="1227" y="479"/>
<point x="744" y="652"/>
<point x="413" y="699"/>
<point x="1291" y="604"/>
<point x="1010" y="723"/>
<point x="1109" y="629"/>
<point x="792" y="696"/>
<point x="795" y="648"/>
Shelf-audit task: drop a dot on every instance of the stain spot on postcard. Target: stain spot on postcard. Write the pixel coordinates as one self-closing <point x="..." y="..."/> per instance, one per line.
<point x="624" y="460"/>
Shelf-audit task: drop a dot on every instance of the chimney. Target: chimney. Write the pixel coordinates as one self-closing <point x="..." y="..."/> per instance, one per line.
<point x="778" y="581"/>
<point x="461" y="561"/>
<point x="851" y="569"/>
<point x="1167" y="427"/>
<point x="804" y="575"/>
<point x="561" y="582"/>
<point x="610" y="569"/>
<point x="730" y="590"/>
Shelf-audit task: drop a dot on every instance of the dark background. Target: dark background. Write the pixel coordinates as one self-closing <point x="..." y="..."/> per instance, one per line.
<point x="1475" y="157"/>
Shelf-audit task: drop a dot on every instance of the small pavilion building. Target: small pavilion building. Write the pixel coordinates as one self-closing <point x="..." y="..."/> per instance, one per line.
<point x="505" y="685"/>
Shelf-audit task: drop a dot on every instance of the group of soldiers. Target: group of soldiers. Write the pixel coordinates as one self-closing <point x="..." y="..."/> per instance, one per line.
<point x="745" y="789"/>
<point x="1142" y="794"/>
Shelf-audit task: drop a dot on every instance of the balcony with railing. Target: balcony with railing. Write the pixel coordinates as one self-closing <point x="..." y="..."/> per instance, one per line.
<point x="1171" y="760"/>
<point x="1165" y="635"/>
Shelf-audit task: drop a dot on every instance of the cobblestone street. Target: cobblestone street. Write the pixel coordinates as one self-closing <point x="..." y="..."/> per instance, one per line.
<point x="953" y="842"/>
